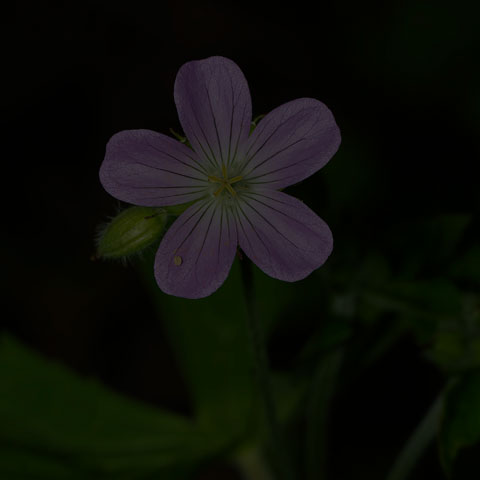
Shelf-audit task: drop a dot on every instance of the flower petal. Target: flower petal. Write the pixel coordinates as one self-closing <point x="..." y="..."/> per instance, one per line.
<point x="281" y="234"/>
<point x="150" y="169"/>
<point x="214" y="108"/>
<point x="291" y="143"/>
<point x="197" y="251"/>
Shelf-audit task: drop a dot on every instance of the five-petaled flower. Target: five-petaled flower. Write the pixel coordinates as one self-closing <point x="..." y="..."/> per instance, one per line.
<point x="232" y="177"/>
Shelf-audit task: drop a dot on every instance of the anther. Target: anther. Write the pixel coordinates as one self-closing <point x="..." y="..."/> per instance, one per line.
<point x="235" y="179"/>
<point x="220" y="190"/>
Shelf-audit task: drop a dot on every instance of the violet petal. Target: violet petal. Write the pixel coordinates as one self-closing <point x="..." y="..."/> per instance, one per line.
<point x="214" y="108"/>
<point x="197" y="251"/>
<point x="150" y="169"/>
<point x="281" y="234"/>
<point x="290" y="144"/>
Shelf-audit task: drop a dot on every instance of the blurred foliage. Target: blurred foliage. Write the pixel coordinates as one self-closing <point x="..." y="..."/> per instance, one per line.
<point x="55" y="424"/>
<point x="82" y="428"/>
<point x="461" y="422"/>
<point x="210" y="339"/>
<point x="402" y="79"/>
<point x="337" y="323"/>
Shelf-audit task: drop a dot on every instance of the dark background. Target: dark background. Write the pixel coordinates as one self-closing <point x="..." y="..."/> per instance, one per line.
<point x="403" y="81"/>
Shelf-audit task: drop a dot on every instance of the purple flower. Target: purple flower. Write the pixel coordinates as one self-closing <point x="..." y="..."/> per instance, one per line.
<point x="233" y="178"/>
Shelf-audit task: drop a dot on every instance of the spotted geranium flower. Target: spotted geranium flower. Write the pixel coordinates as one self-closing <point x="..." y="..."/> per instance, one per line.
<point x="232" y="177"/>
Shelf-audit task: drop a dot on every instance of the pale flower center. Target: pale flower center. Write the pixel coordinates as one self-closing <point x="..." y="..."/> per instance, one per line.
<point x="224" y="182"/>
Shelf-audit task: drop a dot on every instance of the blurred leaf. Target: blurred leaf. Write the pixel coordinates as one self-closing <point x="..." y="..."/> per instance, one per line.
<point x="432" y="297"/>
<point x="453" y="352"/>
<point x="31" y="464"/>
<point x="456" y="343"/>
<point x="419" y="440"/>
<point x="332" y="333"/>
<point x="55" y="423"/>
<point x="210" y="339"/>
<point x="372" y="345"/>
<point x="461" y="423"/>
<point x="467" y="267"/>
<point x="428" y="244"/>
<point x="289" y="390"/>
<point x="277" y="296"/>
<point x="251" y="463"/>
<point x="421" y="304"/>
<point x="443" y="233"/>
<point x="374" y="270"/>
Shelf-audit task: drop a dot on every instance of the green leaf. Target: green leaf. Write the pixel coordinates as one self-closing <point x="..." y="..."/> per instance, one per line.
<point x="55" y="423"/>
<point x="210" y="339"/>
<point x="461" y="423"/>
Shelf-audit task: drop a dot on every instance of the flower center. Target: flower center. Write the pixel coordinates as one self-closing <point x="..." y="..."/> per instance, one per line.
<point x="225" y="182"/>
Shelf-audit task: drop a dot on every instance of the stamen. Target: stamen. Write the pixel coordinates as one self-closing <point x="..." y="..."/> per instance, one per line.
<point x="231" y="190"/>
<point x="215" y="179"/>
<point x="224" y="182"/>
<point x="220" y="190"/>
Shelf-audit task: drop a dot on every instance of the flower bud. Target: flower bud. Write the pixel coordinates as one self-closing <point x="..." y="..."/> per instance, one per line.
<point x="131" y="231"/>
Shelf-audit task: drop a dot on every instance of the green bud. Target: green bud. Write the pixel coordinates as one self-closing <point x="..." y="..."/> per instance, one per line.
<point x="131" y="231"/>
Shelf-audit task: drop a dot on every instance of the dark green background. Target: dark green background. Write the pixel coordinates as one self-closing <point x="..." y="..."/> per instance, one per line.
<point x="401" y="196"/>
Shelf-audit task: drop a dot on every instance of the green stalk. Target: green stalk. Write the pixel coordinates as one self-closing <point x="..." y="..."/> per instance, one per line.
<point x="280" y="458"/>
<point x="418" y="442"/>
<point x="317" y="413"/>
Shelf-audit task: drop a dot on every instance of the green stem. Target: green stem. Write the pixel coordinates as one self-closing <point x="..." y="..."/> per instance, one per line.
<point x="418" y="441"/>
<point x="317" y="414"/>
<point x="282" y="465"/>
<point x="251" y="464"/>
